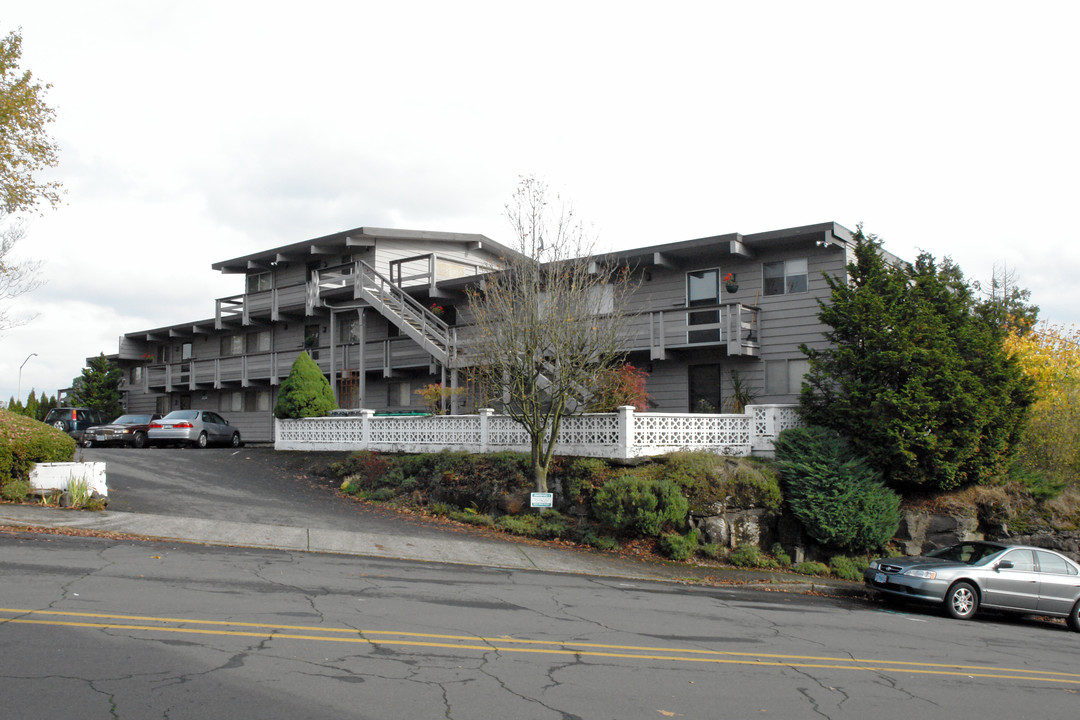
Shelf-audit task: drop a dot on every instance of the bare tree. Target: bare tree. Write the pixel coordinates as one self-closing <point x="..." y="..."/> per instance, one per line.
<point x="549" y="323"/>
<point x="16" y="278"/>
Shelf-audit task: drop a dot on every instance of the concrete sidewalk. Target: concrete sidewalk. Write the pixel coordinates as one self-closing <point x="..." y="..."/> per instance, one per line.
<point x="452" y="548"/>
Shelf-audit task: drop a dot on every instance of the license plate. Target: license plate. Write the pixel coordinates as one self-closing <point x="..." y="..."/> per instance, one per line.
<point x="880" y="578"/>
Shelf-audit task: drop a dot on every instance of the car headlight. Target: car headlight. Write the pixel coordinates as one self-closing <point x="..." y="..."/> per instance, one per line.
<point x="924" y="574"/>
<point x="875" y="564"/>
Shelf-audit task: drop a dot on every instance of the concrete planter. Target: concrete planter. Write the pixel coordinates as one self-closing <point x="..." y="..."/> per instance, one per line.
<point x="57" y="476"/>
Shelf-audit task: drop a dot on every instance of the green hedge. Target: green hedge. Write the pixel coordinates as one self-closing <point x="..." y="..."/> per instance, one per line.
<point x="840" y="501"/>
<point x="25" y="441"/>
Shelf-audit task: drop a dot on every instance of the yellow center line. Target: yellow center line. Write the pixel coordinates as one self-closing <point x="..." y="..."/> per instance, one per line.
<point x="505" y="644"/>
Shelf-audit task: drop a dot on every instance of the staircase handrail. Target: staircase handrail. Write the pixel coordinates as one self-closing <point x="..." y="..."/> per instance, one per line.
<point x="408" y="307"/>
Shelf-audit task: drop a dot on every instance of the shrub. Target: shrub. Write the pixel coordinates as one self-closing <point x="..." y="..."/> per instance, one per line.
<point x="837" y="497"/>
<point x="624" y="385"/>
<point x="546" y="525"/>
<point x="709" y="550"/>
<point x="746" y="555"/>
<point x="845" y="568"/>
<point x="782" y="558"/>
<point x="456" y="478"/>
<point x="811" y="568"/>
<point x="364" y="469"/>
<point x="472" y="518"/>
<point x="15" y="490"/>
<point x="383" y="494"/>
<point x="679" y="547"/>
<point x="630" y="504"/>
<point x="25" y="441"/>
<point x="439" y="509"/>
<point x="305" y="392"/>
<point x="582" y="477"/>
<point x="709" y="480"/>
<point x="600" y="542"/>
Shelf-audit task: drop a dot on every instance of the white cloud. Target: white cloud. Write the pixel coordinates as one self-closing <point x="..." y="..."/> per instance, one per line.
<point x="198" y="132"/>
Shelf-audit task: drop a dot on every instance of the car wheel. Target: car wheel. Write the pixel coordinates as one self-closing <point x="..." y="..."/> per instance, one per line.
<point x="1073" y="621"/>
<point x="201" y="442"/>
<point x="59" y="425"/>
<point x="236" y="439"/>
<point x="139" y="441"/>
<point x="961" y="601"/>
<point x="87" y="442"/>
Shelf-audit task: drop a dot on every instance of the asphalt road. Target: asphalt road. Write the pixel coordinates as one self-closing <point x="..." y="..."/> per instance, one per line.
<point x="256" y="485"/>
<point x="96" y="628"/>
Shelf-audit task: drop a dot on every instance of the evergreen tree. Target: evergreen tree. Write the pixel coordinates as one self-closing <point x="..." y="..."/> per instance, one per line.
<point x="45" y="404"/>
<point x="31" y="409"/>
<point x="306" y="392"/>
<point x="917" y="375"/>
<point x="98" y="387"/>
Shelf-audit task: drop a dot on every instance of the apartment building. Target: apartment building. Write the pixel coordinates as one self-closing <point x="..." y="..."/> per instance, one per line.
<point x="384" y="312"/>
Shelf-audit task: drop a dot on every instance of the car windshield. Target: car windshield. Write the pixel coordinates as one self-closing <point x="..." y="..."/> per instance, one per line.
<point x="182" y="415"/>
<point x="132" y="420"/>
<point x="968" y="553"/>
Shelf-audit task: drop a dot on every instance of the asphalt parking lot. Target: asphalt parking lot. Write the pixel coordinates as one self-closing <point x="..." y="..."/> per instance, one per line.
<point x="247" y="484"/>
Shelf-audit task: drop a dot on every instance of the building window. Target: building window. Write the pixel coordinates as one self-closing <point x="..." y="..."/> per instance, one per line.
<point x="136" y="376"/>
<point x="232" y="401"/>
<point x="704" y="388"/>
<point x="348" y="330"/>
<point x="258" y="342"/>
<point x="185" y="351"/>
<point x="162" y="405"/>
<point x="703" y="288"/>
<point x="400" y="394"/>
<point x="257" y="401"/>
<point x="784" y="277"/>
<point x="232" y="345"/>
<point x="259" y="282"/>
<point x="311" y="341"/>
<point x="785" y="377"/>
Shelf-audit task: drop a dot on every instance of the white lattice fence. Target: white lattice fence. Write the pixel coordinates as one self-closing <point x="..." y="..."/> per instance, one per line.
<point x="622" y="435"/>
<point x="656" y="433"/>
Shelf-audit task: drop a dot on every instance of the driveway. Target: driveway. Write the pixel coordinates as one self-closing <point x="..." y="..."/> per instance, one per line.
<point x="251" y="485"/>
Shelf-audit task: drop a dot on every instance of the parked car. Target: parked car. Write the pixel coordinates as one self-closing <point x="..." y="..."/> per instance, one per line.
<point x="972" y="575"/>
<point x="197" y="428"/>
<point x="126" y="430"/>
<point x="74" y="420"/>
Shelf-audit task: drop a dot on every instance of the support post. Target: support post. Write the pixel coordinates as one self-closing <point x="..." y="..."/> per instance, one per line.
<point x="626" y="432"/>
<point x="485" y="431"/>
<point x="365" y="428"/>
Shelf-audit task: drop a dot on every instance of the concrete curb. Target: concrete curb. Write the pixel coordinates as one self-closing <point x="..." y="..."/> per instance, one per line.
<point x="450" y="549"/>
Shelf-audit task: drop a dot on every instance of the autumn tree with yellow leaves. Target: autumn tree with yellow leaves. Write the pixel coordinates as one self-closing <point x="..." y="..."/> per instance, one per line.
<point x="1050" y="355"/>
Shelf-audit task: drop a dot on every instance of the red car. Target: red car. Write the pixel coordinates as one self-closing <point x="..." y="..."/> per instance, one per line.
<point x="126" y="430"/>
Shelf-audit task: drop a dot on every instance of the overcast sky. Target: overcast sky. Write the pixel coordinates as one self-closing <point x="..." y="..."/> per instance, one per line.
<point x="196" y="132"/>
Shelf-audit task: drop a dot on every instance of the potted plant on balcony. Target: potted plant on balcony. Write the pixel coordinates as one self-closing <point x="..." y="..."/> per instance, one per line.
<point x="729" y="283"/>
<point x="437" y="310"/>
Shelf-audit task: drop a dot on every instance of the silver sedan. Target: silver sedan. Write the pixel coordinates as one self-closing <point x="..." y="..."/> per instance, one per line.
<point x="964" y="577"/>
<point x="197" y="428"/>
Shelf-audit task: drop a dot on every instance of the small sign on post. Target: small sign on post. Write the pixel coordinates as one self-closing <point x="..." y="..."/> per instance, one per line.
<point x="541" y="500"/>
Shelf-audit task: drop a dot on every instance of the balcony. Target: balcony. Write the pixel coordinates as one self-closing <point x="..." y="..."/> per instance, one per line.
<point x="734" y="327"/>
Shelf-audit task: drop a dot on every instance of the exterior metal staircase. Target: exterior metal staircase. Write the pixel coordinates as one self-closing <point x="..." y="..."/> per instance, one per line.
<point x="421" y="325"/>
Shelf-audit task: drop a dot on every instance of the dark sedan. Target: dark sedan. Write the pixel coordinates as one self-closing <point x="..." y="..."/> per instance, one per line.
<point x="964" y="577"/>
<point x="126" y="430"/>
